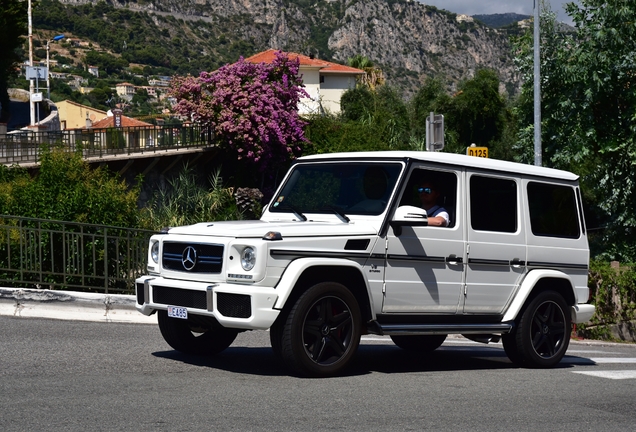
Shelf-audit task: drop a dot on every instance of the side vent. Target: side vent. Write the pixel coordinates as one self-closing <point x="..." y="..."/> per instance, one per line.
<point x="357" y="244"/>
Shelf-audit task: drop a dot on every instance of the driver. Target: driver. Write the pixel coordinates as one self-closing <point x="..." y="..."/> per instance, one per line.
<point x="429" y="194"/>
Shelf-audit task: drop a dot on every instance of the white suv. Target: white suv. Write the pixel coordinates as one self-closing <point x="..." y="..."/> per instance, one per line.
<point x="344" y="249"/>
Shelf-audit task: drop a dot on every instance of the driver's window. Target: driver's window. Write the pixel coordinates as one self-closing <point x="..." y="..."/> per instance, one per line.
<point x="436" y="192"/>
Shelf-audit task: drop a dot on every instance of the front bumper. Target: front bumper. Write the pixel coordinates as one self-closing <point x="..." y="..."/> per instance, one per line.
<point x="234" y="306"/>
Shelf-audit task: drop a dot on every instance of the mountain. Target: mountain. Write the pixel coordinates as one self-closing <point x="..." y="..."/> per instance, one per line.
<point x="407" y="39"/>
<point x="501" y="20"/>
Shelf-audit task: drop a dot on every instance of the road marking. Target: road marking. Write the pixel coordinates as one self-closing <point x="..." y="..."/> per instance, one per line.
<point x="616" y="375"/>
<point x="613" y="359"/>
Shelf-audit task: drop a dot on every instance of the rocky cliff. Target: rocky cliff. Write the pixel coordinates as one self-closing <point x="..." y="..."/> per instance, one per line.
<point x="409" y="40"/>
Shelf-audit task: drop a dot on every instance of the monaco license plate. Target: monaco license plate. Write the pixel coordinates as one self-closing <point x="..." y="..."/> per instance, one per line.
<point x="177" y="312"/>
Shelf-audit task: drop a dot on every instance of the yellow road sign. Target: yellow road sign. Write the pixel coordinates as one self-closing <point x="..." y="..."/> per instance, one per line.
<point x="477" y="151"/>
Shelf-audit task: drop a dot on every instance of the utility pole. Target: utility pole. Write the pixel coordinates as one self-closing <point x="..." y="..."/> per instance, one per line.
<point x="31" y="83"/>
<point x="537" y="85"/>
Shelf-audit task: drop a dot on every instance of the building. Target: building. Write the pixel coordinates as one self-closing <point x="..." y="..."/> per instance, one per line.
<point x="75" y="116"/>
<point x="125" y="90"/>
<point x="93" y="70"/>
<point x="324" y="81"/>
<point x="161" y="82"/>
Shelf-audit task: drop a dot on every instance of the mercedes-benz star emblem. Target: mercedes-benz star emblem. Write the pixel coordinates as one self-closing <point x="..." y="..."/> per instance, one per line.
<point x="189" y="258"/>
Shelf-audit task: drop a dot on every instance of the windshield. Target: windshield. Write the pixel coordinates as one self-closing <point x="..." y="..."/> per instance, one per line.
<point x="351" y="188"/>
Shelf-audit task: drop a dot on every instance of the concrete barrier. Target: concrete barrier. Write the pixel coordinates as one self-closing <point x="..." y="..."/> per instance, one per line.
<point x="69" y="305"/>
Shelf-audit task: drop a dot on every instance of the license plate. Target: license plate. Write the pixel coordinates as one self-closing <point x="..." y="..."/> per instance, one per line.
<point x="177" y="312"/>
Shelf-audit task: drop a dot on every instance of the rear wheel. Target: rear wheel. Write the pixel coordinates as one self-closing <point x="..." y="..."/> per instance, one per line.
<point x="322" y="331"/>
<point x="543" y="334"/>
<point x="195" y="336"/>
<point x="419" y="343"/>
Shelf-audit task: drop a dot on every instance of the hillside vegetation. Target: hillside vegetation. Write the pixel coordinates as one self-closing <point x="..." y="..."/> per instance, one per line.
<point x="408" y="40"/>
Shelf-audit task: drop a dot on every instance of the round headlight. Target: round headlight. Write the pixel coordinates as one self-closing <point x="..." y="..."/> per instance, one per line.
<point x="154" y="252"/>
<point x="248" y="258"/>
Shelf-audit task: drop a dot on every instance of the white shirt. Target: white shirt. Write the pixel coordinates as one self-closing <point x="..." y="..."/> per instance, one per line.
<point x="436" y="211"/>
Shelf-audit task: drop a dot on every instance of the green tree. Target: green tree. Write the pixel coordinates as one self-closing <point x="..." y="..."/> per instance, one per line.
<point x="13" y="28"/>
<point x="383" y="110"/>
<point x="589" y="110"/>
<point x="67" y="189"/>
<point x="431" y="97"/>
<point x="476" y="109"/>
<point x="373" y="76"/>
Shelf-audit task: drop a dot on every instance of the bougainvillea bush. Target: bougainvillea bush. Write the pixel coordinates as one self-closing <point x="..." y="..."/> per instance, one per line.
<point x="250" y="108"/>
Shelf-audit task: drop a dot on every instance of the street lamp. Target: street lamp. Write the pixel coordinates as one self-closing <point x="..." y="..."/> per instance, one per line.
<point x="48" y="69"/>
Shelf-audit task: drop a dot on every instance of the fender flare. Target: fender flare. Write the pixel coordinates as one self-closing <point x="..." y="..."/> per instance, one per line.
<point x="297" y="267"/>
<point x="528" y="284"/>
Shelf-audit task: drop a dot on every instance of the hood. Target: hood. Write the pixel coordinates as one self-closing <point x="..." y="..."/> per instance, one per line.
<point x="258" y="228"/>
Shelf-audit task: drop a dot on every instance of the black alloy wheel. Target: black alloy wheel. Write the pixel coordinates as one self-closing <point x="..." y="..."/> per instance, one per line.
<point x="544" y="331"/>
<point x="322" y="332"/>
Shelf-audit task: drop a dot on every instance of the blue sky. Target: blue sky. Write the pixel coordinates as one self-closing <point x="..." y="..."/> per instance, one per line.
<point x="473" y="7"/>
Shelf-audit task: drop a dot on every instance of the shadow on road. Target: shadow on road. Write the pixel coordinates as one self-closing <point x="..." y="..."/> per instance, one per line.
<point x="385" y="359"/>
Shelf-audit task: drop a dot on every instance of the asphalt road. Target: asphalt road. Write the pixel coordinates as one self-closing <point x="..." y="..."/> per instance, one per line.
<point x="79" y="376"/>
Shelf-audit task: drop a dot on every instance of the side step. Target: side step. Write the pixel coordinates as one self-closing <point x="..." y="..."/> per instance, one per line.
<point x="439" y="329"/>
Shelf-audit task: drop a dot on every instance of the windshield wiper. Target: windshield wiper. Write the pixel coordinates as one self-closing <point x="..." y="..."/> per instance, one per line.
<point x="296" y="213"/>
<point x="341" y="215"/>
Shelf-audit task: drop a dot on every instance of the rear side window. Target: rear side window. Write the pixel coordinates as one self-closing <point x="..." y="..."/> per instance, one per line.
<point x="493" y="204"/>
<point x="553" y="210"/>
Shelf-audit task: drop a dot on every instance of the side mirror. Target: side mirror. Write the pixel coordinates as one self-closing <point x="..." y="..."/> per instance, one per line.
<point x="408" y="216"/>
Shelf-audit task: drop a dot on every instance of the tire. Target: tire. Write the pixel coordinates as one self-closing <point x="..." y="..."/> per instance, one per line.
<point x="419" y="343"/>
<point x="276" y="336"/>
<point x="543" y="333"/>
<point x="195" y="338"/>
<point x="509" y="342"/>
<point x="322" y="331"/>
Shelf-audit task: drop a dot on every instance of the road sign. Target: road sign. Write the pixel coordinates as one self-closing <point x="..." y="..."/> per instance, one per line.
<point x="36" y="72"/>
<point x="434" y="132"/>
<point x="36" y="97"/>
<point x="477" y="151"/>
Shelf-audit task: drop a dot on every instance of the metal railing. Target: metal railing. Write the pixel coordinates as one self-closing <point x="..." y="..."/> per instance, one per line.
<point x="41" y="253"/>
<point x="26" y="146"/>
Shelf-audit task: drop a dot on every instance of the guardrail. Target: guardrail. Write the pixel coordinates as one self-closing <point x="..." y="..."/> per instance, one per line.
<point x="26" y="146"/>
<point x="41" y="253"/>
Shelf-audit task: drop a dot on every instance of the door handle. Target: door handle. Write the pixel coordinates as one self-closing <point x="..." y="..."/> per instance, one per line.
<point x="454" y="259"/>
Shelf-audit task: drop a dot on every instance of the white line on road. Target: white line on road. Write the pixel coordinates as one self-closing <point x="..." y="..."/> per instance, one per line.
<point x="613" y="359"/>
<point x="616" y="375"/>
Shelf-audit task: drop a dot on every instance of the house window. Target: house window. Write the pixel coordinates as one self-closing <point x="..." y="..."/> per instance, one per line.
<point x="322" y="79"/>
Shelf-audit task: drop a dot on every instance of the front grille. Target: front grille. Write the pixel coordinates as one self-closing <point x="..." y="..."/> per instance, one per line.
<point x="234" y="305"/>
<point x="207" y="258"/>
<point x="140" y="293"/>
<point x="179" y="297"/>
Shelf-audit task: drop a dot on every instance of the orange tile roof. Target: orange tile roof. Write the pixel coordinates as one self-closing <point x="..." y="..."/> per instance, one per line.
<point x="109" y="122"/>
<point x="325" y="66"/>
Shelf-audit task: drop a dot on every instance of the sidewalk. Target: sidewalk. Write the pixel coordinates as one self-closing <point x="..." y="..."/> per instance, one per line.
<point x="69" y="305"/>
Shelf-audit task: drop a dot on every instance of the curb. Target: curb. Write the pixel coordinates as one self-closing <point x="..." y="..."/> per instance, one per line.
<point x="116" y="308"/>
<point x="69" y="305"/>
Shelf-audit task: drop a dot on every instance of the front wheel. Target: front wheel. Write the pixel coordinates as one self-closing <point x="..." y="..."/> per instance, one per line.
<point x="322" y="331"/>
<point x="195" y="337"/>
<point x="543" y="334"/>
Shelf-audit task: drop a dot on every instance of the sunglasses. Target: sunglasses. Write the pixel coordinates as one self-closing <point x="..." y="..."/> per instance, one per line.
<point x="426" y="190"/>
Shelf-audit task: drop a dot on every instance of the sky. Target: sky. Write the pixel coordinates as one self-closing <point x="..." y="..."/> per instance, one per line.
<point x="475" y="7"/>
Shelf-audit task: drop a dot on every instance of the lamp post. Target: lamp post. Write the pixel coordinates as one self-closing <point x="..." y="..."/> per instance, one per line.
<point x="537" y="84"/>
<point x="31" y="83"/>
<point x="48" y="69"/>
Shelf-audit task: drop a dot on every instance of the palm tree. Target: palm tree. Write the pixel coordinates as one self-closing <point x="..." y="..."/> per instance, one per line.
<point x="373" y="77"/>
